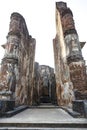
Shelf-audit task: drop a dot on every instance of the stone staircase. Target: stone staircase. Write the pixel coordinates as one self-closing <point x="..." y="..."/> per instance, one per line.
<point x="43" y="117"/>
<point x="43" y="126"/>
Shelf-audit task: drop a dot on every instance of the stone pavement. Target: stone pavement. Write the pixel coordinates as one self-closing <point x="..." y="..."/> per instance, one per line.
<point x="51" y="119"/>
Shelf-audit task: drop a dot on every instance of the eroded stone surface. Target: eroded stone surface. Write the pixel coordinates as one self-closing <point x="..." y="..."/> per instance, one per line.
<point x="66" y="18"/>
<point x="19" y="61"/>
<point x="70" y="67"/>
<point x="31" y="83"/>
<point x="64" y="89"/>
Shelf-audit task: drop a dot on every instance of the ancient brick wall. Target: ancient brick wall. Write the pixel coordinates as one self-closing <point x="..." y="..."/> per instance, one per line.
<point x="73" y="48"/>
<point x="26" y="55"/>
<point x="20" y="55"/>
<point x="64" y="87"/>
<point x="66" y="18"/>
<point x="78" y="76"/>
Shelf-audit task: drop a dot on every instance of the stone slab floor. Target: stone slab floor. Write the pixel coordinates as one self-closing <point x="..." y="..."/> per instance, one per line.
<point x="42" y="116"/>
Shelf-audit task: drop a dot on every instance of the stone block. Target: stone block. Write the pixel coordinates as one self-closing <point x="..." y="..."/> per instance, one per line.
<point x="85" y="107"/>
<point x="6" y="105"/>
<point x="80" y="106"/>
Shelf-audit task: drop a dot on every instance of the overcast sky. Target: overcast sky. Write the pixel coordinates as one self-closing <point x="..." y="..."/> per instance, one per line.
<point x="40" y="19"/>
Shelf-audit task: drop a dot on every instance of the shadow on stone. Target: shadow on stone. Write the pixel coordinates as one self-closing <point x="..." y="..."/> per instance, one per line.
<point x="80" y="106"/>
<point x="8" y="109"/>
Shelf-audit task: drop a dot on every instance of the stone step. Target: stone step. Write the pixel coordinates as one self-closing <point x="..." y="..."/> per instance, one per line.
<point x="45" y="105"/>
<point x="31" y="128"/>
<point x="45" y="125"/>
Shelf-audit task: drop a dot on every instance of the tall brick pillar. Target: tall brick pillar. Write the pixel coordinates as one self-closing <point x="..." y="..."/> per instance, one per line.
<point x="20" y="54"/>
<point x="64" y="87"/>
<point x="73" y="49"/>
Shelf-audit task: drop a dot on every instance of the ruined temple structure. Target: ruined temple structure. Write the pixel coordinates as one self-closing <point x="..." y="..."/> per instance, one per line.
<point x="28" y="83"/>
<point x="70" y="69"/>
<point x="17" y="67"/>
<point x="44" y="84"/>
<point x="23" y="79"/>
